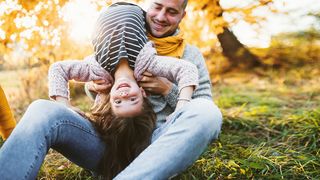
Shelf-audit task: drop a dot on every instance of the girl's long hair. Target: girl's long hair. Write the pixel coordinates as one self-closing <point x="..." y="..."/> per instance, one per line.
<point x="125" y="137"/>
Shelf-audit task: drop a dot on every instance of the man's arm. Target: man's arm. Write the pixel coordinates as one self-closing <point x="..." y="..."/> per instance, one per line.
<point x="160" y="86"/>
<point x="204" y="89"/>
<point x="176" y="70"/>
<point x="155" y="84"/>
<point x="169" y="90"/>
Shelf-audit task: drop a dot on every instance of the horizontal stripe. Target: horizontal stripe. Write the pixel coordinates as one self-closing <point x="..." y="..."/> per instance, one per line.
<point x="123" y="26"/>
<point x="120" y="33"/>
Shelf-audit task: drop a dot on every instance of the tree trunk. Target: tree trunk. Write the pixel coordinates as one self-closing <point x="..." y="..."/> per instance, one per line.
<point x="237" y="53"/>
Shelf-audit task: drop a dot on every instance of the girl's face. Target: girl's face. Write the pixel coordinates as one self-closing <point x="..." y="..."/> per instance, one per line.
<point x="126" y="97"/>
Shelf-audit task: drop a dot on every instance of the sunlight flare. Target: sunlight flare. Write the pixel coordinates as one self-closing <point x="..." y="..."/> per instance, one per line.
<point x="80" y="16"/>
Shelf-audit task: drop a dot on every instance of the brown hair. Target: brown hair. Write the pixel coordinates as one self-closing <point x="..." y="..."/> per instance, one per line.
<point x="125" y="137"/>
<point x="185" y="3"/>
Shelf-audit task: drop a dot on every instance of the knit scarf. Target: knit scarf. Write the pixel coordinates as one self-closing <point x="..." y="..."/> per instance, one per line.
<point x="169" y="46"/>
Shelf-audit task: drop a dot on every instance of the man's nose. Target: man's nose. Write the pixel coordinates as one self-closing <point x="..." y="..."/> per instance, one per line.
<point x="161" y="16"/>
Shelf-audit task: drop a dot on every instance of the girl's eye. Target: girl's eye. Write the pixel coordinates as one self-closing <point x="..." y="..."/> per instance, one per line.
<point x="132" y="99"/>
<point x="117" y="101"/>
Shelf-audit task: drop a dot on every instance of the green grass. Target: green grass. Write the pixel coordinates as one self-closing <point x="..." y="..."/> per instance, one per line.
<point x="271" y="130"/>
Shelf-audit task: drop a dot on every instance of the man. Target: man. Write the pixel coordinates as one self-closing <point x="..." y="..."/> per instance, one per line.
<point x="180" y="139"/>
<point x="177" y="142"/>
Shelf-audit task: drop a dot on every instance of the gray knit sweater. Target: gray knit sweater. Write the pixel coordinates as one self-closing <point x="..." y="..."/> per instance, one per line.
<point x="164" y="106"/>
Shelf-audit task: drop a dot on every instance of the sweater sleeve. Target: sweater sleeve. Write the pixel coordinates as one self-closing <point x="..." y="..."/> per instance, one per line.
<point x="86" y="70"/>
<point x="176" y="70"/>
<point x="172" y="97"/>
<point x="204" y="89"/>
<point x="165" y="105"/>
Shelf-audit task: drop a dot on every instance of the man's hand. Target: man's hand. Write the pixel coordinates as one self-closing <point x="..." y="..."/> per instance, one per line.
<point x="155" y="85"/>
<point x="98" y="86"/>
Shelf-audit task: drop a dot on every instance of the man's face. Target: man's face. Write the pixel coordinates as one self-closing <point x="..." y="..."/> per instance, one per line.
<point x="164" y="16"/>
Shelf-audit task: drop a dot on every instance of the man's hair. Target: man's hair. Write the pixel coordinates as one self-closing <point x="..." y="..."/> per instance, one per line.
<point x="185" y="3"/>
<point x="125" y="137"/>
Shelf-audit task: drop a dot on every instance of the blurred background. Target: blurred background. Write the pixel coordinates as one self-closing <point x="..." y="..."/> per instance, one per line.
<point x="233" y="35"/>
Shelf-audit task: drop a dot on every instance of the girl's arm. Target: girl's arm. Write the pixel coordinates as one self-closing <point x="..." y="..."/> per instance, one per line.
<point x="175" y="70"/>
<point x="61" y="72"/>
<point x="185" y="96"/>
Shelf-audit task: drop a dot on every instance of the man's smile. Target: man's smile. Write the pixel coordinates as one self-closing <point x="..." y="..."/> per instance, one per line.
<point x="158" y="26"/>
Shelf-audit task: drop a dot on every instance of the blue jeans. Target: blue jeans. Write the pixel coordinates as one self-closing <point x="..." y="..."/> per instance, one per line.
<point x="47" y="124"/>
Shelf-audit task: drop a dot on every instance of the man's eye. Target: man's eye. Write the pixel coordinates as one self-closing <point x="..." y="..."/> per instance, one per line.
<point x="172" y="13"/>
<point x="117" y="101"/>
<point x="156" y="7"/>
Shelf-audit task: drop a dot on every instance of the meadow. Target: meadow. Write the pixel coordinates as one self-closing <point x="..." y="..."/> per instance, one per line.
<point x="270" y="129"/>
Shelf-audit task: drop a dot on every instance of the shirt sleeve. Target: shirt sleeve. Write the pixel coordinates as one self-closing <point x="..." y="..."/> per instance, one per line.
<point x="80" y="70"/>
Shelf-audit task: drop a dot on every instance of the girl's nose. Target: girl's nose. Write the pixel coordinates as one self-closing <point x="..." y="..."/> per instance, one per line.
<point x="123" y="93"/>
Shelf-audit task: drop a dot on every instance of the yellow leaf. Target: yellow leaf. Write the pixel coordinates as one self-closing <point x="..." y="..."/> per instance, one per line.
<point x="231" y="163"/>
<point x="242" y="171"/>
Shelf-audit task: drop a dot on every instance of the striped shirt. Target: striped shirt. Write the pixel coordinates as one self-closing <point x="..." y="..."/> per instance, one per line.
<point x="119" y="33"/>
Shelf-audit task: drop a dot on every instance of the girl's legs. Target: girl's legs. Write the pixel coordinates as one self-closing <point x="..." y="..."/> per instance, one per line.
<point x="45" y="125"/>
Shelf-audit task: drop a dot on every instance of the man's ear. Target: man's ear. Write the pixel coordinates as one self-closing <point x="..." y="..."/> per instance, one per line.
<point x="143" y="92"/>
<point x="184" y="14"/>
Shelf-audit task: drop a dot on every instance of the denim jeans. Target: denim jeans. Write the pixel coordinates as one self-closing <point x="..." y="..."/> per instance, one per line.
<point x="176" y="144"/>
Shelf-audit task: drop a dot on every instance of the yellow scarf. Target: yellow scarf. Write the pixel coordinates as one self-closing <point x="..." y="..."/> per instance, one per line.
<point x="169" y="46"/>
<point x="7" y="121"/>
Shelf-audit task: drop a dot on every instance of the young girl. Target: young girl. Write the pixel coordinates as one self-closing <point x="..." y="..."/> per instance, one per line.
<point x="123" y="116"/>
